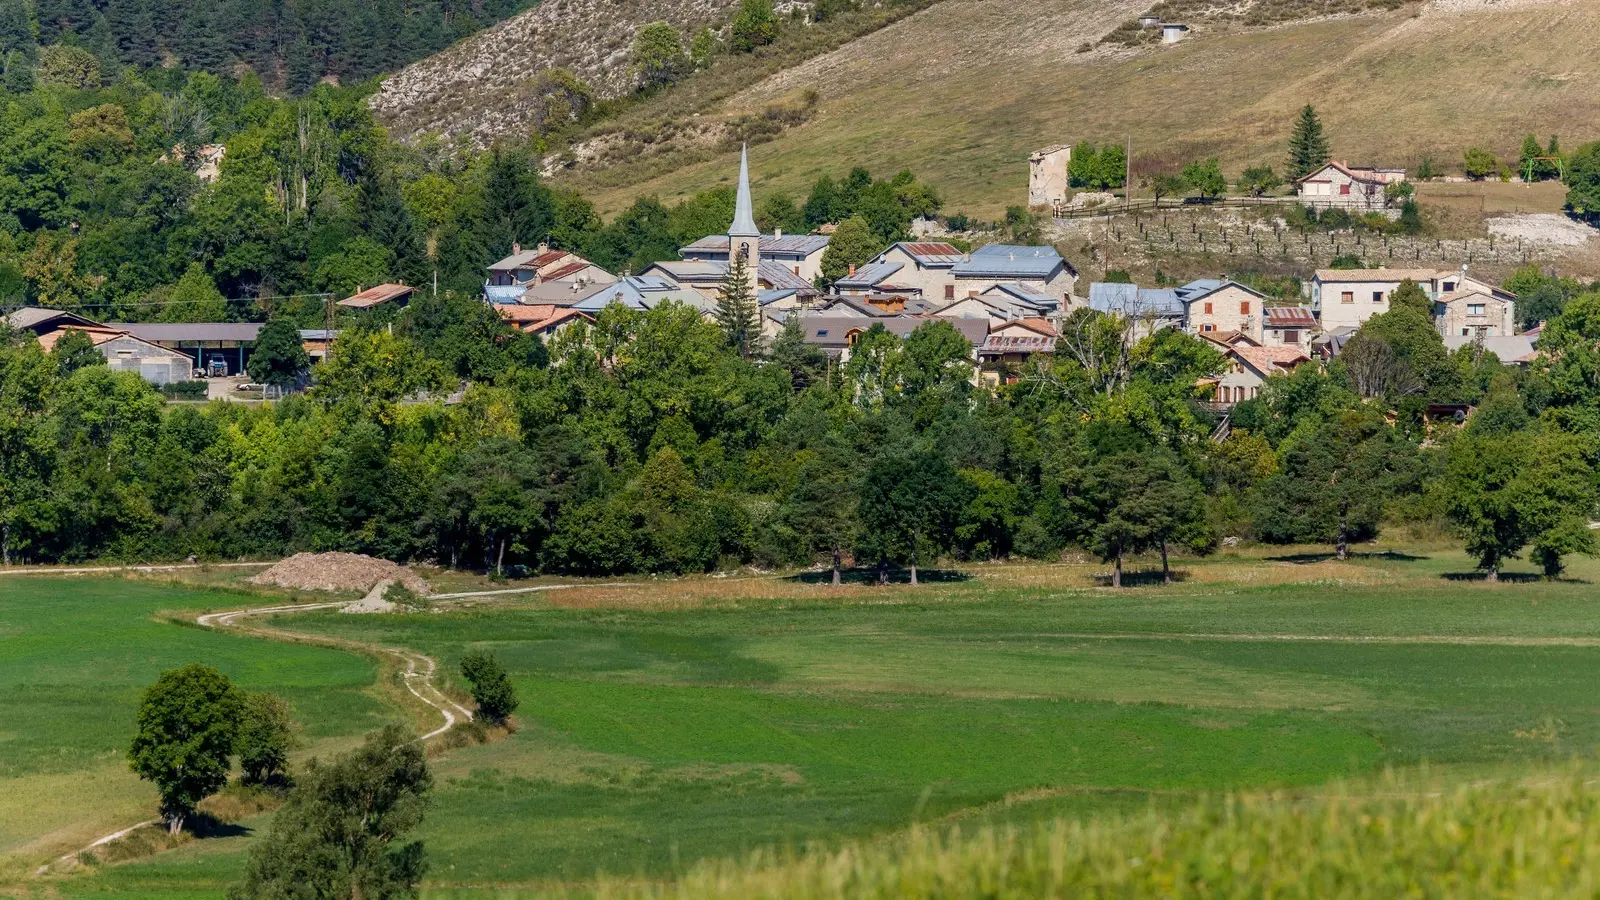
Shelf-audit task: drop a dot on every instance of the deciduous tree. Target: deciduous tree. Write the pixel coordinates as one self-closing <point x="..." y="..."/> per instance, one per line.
<point x="492" y="689"/>
<point x="186" y="726"/>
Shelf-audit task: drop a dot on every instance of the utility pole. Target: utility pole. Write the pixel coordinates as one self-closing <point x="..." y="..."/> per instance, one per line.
<point x="1127" y="176"/>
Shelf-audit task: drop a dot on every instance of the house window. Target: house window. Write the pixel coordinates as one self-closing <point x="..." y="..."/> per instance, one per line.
<point x="1208" y="327"/>
<point x="822" y="332"/>
<point x="1466" y="331"/>
<point x="1208" y="308"/>
<point x="1291" y="336"/>
<point x="949" y="292"/>
<point x="1344" y="190"/>
<point x="1244" y="307"/>
<point x="1474" y="309"/>
<point x="1377" y="296"/>
<point x="1449" y="286"/>
<point x="1347" y="297"/>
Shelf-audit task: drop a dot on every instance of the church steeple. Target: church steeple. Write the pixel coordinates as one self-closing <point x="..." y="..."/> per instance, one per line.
<point x="744" y="237"/>
<point x="744" y="220"/>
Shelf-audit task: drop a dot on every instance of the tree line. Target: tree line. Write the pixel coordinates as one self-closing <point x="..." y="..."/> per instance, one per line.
<point x="292" y="45"/>
<point x="657" y="442"/>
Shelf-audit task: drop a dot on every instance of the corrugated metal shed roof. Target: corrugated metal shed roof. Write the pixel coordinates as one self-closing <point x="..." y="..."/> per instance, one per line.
<point x="935" y="254"/>
<point x="29" y="317"/>
<point x="373" y="296"/>
<point x="192" y="331"/>
<point x="1290" y="317"/>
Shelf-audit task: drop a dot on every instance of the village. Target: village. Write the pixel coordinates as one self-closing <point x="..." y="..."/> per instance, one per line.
<point x="1011" y="302"/>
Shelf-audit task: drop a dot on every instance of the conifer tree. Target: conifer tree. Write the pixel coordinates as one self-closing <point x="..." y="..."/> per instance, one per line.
<point x="17" y="29"/>
<point x="1308" y="147"/>
<point x="736" y="309"/>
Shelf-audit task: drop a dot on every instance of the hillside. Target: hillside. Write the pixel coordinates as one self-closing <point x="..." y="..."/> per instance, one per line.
<point x="473" y="89"/>
<point x="962" y="91"/>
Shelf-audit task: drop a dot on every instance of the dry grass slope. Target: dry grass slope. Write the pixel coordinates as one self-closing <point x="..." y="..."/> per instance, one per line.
<point x="472" y="89"/>
<point x="964" y="90"/>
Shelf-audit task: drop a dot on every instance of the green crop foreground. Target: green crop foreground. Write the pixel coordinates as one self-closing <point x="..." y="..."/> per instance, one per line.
<point x="750" y="736"/>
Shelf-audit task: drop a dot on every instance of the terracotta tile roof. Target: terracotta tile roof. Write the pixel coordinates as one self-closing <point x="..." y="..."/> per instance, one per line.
<point x="96" y="334"/>
<point x="1268" y="360"/>
<point x="1417" y="275"/>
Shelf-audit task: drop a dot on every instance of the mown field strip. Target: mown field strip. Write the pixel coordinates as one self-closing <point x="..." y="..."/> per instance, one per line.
<point x="1223" y="637"/>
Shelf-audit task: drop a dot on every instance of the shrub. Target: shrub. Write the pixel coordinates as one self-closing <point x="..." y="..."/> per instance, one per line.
<point x="1480" y="163"/>
<point x="266" y="735"/>
<point x="756" y="25"/>
<point x="491" y="687"/>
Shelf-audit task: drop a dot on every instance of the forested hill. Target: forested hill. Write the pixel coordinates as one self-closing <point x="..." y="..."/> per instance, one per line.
<point x="289" y="43"/>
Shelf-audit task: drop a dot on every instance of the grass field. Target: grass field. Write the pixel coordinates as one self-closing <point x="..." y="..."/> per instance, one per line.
<point x="962" y="92"/>
<point x="672" y="722"/>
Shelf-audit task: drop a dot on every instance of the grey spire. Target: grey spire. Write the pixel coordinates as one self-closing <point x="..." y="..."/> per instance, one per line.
<point x="744" y="220"/>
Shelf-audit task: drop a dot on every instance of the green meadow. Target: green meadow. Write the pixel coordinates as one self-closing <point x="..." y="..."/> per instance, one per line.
<point x="671" y="723"/>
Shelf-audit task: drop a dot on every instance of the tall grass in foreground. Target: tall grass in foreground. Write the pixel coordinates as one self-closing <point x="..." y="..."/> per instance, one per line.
<point x="1534" y="837"/>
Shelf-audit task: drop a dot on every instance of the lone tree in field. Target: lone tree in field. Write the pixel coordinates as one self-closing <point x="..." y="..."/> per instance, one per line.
<point x="1144" y="501"/>
<point x="737" y="311"/>
<point x="187" y="723"/>
<point x="266" y="735"/>
<point x="1308" y="147"/>
<point x="492" y="689"/>
<point x="335" y="836"/>
<point x="1205" y="178"/>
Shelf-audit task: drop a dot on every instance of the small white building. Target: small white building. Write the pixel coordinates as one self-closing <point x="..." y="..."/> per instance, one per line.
<point x="1173" y="32"/>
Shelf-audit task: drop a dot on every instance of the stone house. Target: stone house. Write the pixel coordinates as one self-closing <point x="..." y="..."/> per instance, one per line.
<point x="1010" y="345"/>
<point x="1038" y="268"/>
<point x="1358" y="188"/>
<point x="921" y="266"/>
<point x="1248" y="366"/>
<point x="1230" y="306"/>
<point x="1475" y="313"/>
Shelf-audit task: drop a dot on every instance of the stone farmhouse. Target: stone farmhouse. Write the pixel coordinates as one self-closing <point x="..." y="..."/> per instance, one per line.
<point x="1359" y="188"/>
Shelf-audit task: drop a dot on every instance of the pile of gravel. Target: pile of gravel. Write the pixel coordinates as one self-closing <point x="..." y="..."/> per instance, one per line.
<point x="338" y="572"/>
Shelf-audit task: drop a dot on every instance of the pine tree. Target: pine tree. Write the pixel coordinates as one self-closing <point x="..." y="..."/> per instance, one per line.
<point x="736" y="309"/>
<point x="388" y="221"/>
<point x="18" y="74"/>
<point x="17" y="29"/>
<point x="1308" y="147"/>
<point x="133" y="23"/>
<point x="1528" y="164"/>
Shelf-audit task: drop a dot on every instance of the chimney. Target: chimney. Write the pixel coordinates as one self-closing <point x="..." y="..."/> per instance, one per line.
<point x="852" y="268"/>
<point x="544" y="247"/>
<point x="516" y="248"/>
<point x="777" y="234"/>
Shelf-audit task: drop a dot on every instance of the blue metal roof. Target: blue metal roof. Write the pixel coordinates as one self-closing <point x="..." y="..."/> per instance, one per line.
<point x="1024" y="294"/>
<point x="1197" y="287"/>
<point x="504" y="293"/>
<point x="773" y="296"/>
<point x="1010" y="260"/>
<point x="869" y="275"/>
<point x="1132" y="300"/>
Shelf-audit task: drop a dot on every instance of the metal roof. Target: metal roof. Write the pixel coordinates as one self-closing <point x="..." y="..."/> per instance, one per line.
<point x="1134" y="301"/>
<point x="1290" y="317"/>
<point x="934" y="254"/>
<point x="1510" y="348"/>
<point x="787" y="245"/>
<point x="642" y="292"/>
<point x="1008" y="260"/>
<point x="374" y="296"/>
<point x="1028" y="296"/>
<point x="869" y="275"/>
<point x="1197" y="287"/>
<point x="29" y="317"/>
<point x="835" y="330"/>
<point x="184" y="332"/>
